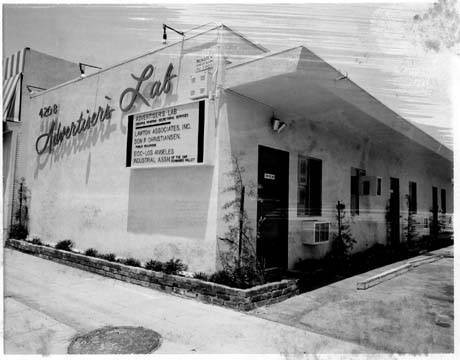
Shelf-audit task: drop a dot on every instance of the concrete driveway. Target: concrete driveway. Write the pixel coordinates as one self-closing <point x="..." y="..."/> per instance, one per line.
<point x="46" y="304"/>
<point x="411" y="313"/>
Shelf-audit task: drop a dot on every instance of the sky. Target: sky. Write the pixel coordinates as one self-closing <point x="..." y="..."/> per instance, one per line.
<point x="401" y="52"/>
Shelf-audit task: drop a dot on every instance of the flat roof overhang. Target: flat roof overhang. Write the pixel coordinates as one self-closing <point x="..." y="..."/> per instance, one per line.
<point x="296" y="81"/>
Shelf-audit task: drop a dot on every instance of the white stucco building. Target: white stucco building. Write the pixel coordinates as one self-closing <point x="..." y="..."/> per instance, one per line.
<point x="135" y="159"/>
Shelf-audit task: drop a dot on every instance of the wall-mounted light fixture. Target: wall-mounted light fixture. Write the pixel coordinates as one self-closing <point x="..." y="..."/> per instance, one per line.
<point x="277" y="124"/>
<point x="83" y="66"/>
<point x="32" y="88"/>
<point x="165" y="37"/>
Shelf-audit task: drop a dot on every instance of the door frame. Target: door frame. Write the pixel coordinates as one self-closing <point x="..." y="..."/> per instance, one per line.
<point x="395" y="213"/>
<point x="284" y="168"/>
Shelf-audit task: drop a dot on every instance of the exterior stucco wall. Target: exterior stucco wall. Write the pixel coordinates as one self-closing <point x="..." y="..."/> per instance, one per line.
<point x="43" y="71"/>
<point x="333" y="136"/>
<point x="83" y="191"/>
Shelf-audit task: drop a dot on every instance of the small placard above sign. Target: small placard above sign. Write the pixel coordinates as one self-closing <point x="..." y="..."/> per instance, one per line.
<point x="172" y="136"/>
<point x="204" y="63"/>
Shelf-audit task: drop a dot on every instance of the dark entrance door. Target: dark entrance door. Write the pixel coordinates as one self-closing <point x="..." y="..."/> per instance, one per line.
<point x="434" y="224"/>
<point x="272" y="207"/>
<point x="394" y="211"/>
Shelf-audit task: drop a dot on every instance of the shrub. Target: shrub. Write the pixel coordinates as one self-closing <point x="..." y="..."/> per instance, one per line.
<point x="154" y="265"/>
<point x="243" y="277"/>
<point x="36" y="241"/>
<point x="201" y="276"/>
<point x="18" y="231"/>
<point x="64" y="245"/>
<point x="131" y="262"/>
<point x="91" y="252"/>
<point x="109" y="257"/>
<point x="173" y="266"/>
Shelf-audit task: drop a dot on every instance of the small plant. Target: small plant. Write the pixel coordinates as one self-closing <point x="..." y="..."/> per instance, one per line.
<point x="64" y="245"/>
<point x="173" y="266"/>
<point x="131" y="262"/>
<point x="109" y="257"/>
<point x="242" y="277"/>
<point x="18" y="231"/>
<point x="201" y="276"/>
<point x="338" y="259"/>
<point x="154" y="265"/>
<point x="36" y="241"/>
<point x="91" y="252"/>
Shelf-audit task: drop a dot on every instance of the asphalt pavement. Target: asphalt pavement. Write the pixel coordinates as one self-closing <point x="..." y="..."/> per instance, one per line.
<point x="46" y="304"/>
<point x="412" y="313"/>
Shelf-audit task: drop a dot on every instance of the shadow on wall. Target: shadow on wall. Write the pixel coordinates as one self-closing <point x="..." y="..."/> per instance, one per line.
<point x="170" y="201"/>
<point x="75" y="144"/>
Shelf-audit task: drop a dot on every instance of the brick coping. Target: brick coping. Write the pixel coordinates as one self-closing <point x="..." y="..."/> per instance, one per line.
<point x="205" y="291"/>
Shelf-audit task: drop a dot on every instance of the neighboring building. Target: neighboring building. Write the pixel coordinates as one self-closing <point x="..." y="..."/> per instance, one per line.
<point x="137" y="159"/>
<point x="24" y="72"/>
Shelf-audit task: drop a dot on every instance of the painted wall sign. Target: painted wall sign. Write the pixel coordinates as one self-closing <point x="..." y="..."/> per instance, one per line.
<point x="48" y="111"/>
<point x="156" y="89"/>
<point x="171" y="136"/>
<point x="57" y="132"/>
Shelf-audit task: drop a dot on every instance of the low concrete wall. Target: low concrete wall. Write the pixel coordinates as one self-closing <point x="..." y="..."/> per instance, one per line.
<point x="204" y="291"/>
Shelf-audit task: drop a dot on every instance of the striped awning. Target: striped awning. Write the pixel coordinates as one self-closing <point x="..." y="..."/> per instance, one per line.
<point x="13" y="67"/>
<point x="12" y="98"/>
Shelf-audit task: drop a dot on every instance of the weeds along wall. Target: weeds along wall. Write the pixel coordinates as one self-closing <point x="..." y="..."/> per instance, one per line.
<point x="82" y="189"/>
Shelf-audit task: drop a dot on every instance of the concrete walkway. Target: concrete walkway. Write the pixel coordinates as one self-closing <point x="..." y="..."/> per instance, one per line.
<point x="411" y="313"/>
<point x="46" y="304"/>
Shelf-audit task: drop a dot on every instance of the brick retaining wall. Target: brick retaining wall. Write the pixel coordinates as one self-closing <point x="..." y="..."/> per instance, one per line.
<point x="241" y="299"/>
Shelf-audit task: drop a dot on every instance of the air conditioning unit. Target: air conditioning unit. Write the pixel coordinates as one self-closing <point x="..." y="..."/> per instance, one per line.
<point x="199" y="85"/>
<point x="315" y="233"/>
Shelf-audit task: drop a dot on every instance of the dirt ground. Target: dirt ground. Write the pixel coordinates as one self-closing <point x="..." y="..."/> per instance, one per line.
<point x="411" y="313"/>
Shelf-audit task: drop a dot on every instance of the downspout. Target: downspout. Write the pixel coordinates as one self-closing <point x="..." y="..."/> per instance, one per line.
<point x="218" y="98"/>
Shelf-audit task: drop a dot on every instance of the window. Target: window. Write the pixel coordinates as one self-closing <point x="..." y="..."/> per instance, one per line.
<point x="309" y="186"/>
<point x="412" y="197"/>
<point x="321" y="232"/>
<point x="443" y="201"/>
<point x="379" y="186"/>
<point x="354" y="190"/>
<point x="366" y="187"/>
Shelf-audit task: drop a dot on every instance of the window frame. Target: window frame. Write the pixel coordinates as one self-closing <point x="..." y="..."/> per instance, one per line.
<point x="379" y="186"/>
<point x="443" y="201"/>
<point x="354" y="197"/>
<point x="305" y="187"/>
<point x="412" y="197"/>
